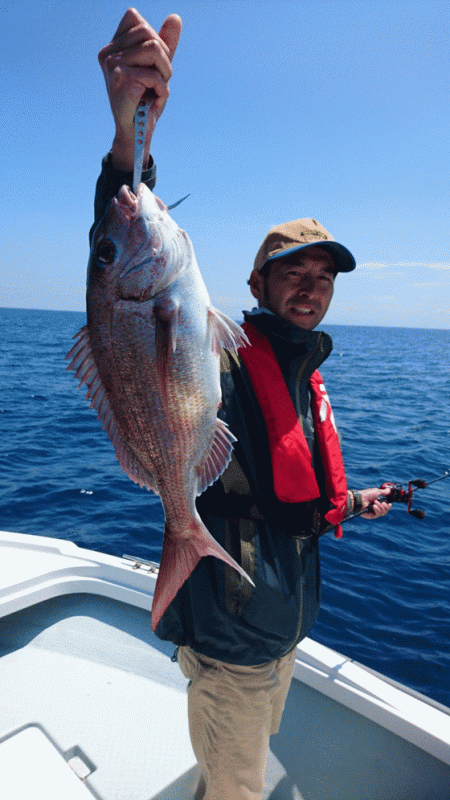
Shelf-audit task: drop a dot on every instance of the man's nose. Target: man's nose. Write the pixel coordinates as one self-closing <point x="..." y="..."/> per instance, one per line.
<point x="306" y="282"/>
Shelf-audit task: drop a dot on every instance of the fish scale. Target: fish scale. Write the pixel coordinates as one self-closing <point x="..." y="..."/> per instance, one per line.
<point x="149" y="356"/>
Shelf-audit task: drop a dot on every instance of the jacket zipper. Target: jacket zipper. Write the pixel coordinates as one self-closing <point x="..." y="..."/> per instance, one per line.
<point x="298" y="379"/>
<point x="293" y="644"/>
<point x="300" y="417"/>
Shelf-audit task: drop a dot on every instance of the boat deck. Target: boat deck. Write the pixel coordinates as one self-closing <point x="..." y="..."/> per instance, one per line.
<point x="84" y="682"/>
<point x="85" y="672"/>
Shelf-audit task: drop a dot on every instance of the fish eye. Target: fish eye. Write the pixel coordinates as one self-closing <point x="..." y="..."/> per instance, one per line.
<point x="105" y="252"/>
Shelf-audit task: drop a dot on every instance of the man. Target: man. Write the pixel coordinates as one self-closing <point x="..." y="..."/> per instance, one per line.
<point x="285" y="485"/>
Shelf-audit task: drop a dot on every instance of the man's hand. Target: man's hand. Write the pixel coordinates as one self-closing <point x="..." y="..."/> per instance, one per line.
<point x="137" y="60"/>
<point x="379" y="507"/>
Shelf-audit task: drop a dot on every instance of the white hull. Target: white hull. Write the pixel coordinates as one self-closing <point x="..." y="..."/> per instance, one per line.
<point x="84" y="681"/>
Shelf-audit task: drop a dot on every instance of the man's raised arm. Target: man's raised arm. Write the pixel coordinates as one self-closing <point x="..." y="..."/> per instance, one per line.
<point x="137" y="60"/>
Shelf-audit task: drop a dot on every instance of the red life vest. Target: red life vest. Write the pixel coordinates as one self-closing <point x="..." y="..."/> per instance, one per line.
<point x="294" y="479"/>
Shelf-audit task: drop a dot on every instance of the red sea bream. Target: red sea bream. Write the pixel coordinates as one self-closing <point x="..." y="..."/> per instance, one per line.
<point x="149" y="356"/>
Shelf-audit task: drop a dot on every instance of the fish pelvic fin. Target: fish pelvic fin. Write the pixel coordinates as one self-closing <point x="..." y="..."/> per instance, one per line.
<point x="224" y="332"/>
<point x="218" y="458"/>
<point x="180" y="556"/>
<point x="82" y="361"/>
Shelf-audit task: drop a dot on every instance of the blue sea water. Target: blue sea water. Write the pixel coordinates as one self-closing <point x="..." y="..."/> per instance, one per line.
<point x="386" y="584"/>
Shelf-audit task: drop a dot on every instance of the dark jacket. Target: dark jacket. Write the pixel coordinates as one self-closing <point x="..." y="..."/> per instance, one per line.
<point x="216" y="612"/>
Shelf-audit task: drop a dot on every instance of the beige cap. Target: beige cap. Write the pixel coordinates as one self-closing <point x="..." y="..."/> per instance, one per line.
<point x="289" y="237"/>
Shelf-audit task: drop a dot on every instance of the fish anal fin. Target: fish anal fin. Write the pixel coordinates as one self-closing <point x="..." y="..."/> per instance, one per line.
<point x="86" y="371"/>
<point x="224" y="332"/>
<point x="180" y="555"/>
<point x="218" y="457"/>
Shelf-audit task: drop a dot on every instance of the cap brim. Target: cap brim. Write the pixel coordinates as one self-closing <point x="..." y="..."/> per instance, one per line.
<point x="343" y="259"/>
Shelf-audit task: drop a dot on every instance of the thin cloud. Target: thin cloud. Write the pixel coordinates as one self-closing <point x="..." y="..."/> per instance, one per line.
<point x="373" y="265"/>
<point x="388" y="265"/>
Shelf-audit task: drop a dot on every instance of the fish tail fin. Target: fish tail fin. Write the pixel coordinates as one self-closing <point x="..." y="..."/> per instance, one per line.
<point x="180" y="556"/>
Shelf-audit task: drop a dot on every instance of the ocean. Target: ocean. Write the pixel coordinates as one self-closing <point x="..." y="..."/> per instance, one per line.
<point x="385" y="584"/>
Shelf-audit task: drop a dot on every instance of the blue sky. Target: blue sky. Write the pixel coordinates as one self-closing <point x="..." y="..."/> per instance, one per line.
<point x="278" y="110"/>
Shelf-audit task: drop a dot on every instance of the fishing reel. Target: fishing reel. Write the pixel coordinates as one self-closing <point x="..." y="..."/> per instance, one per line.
<point x="397" y="494"/>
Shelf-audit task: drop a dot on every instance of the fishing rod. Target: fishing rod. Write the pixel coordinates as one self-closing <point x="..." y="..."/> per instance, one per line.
<point x="398" y="494"/>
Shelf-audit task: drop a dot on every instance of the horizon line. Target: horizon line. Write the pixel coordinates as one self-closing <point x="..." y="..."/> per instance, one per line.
<point x="336" y="324"/>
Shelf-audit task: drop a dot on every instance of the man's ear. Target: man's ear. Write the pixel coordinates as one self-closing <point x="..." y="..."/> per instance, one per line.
<point x="256" y="282"/>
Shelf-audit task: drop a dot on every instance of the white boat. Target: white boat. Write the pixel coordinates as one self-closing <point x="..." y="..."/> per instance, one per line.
<point x="91" y="704"/>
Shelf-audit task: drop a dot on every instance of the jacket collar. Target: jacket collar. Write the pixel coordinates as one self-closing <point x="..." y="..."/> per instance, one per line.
<point x="291" y="344"/>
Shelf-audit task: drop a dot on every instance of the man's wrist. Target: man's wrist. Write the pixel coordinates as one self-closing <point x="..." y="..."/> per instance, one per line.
<point x="122" y="155"/>
<point x="117" y="177"/>
<point x="122" y="159"/>
<point x="357" y="502"/>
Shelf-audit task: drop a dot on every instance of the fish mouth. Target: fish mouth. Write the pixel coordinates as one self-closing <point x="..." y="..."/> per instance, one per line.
<point x="127" y="202"/>
<point x="131" y="301"/>
<point x="143" y="273"/>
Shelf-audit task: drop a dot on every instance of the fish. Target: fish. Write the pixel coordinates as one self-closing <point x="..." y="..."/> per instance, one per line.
<point x="149" y="356"/>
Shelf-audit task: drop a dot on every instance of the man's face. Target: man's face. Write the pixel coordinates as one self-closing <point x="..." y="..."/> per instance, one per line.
<point x="299" y="289"/>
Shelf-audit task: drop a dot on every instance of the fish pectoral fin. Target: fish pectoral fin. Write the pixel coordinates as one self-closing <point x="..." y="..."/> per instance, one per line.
<point x="218" y="457"/>
<point x="224" y="332"/>
<point x="167" y="313"/>
<point x="180" y="555"/>
<point x="83" y="362"/>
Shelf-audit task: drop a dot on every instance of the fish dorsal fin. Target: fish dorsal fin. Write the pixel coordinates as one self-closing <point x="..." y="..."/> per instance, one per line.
<point x="224" y="332"/>
<point x="83" y="363"/>
<point x="218" y="458"/>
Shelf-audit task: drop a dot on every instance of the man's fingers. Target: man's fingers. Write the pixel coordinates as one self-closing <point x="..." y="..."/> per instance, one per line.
<point x="139" y="35"/>
<point x="145" y="54"/>
<point x="135" y="38"/>
<point x="132" y="81"/>
<point x="170" y="33"/>
<point x="379" y="509"/>
<point x="133" y="30"/>
<point x="130" y="19"/>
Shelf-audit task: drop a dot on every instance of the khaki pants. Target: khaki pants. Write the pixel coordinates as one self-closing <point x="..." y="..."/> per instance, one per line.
<point x="233" y="710"/>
